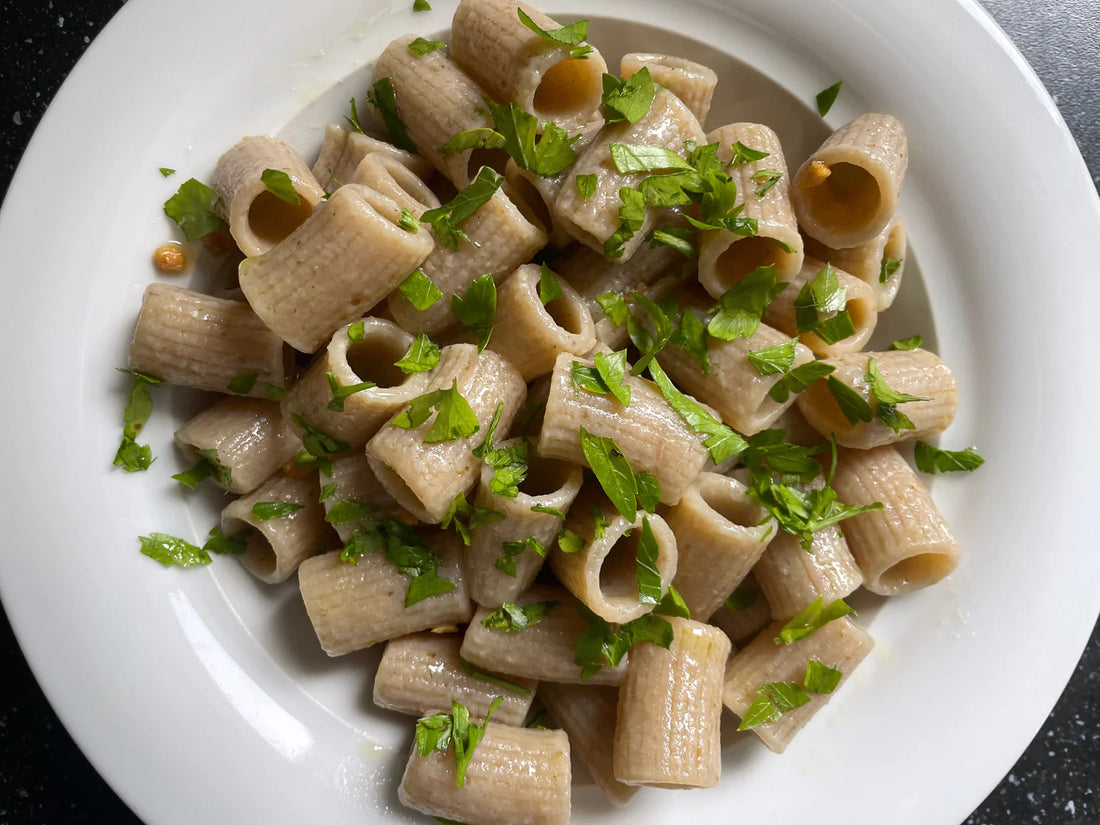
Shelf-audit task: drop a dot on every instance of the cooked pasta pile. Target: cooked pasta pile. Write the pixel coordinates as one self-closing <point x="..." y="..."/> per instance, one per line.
<point x="586" y="408"/>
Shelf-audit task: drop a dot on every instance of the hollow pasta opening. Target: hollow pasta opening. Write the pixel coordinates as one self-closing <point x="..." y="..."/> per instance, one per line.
<point x="568" y="87"/>
<point x="530" y="203"/>
<point x="402" y="493"/>
<point x="495" y="159"/>
<point x="566" y="314"/>
<point x="618" y="573"/>
<point x="544" y="476"/>
<point x="272" y="219"/>
<point x="733" y="506"/>
<point x="916" y="572"/>
<point x="373" y="359"/>
<point x="743" y="256"/>
<point x="847" y="199"/>
<point x="259" y="555"/>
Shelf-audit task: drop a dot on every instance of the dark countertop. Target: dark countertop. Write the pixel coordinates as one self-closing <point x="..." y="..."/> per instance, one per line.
<point x="45" y="779"/>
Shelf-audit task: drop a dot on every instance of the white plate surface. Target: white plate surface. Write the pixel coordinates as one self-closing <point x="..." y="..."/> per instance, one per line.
<point x="202" y="696"/>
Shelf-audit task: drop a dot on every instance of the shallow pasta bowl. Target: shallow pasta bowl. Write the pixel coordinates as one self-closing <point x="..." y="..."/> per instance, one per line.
<point x="205" y="674"/>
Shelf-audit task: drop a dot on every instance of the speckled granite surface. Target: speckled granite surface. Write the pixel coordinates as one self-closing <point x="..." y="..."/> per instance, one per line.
<point x="45" y="779"/>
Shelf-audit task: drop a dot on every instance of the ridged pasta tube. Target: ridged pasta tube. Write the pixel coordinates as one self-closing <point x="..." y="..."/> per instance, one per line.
<point x="194" y="340"/>
<point x="516" y="776"/>
<point x="531" y="334"/>
<point x="904" y="546"/>
<point x="791" y="578"/>
<point x="334" y="268"/>
<point x="425" y="478"/>
<point x="436" y="100"/>
<point x="258" y="219"/>
<point x="543" y="651"/>
<point x="550" y="484"/>
<point x="588" y="714"/>
<point x="749" y="614"/>
<point x="592" y="221"/>
<point x="278" y="544"/>
<point x="720" y="534"/>
<point x="917" y="372"/>
<point x="502" y="238"/>
<point x="604" y="574"/>
<point x="652" y="435"/>
<point x="249" y="436"/>
<point x="371" y="359"/>
<point x="845" y="193"/>
<point x="354" y="480"/>
<point x="423" y="673"/>
<point x="343" y="150"/>
<point x="724" y="257"/>
<point x="670" y="709"/>
<point x="871" y="261"/>
<point x="840" y="644"/>
<point x="860" y="305"/>
<point x="515" y="65"/>
<point x="356" y="605"/>
<point x="388" y="176"/>
<point x="692" y="82"/>
<point x="734" y="386"/>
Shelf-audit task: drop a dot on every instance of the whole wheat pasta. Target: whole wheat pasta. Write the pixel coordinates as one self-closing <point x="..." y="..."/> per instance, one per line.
<point x="734" y="386"/>
<point x="549" y="484"/>
<point x="278" y="543"/>
<point x="516" y="65"/>
<point x="670" y="707"/>
<point x="532" y="335"/>
<point x="502" y="237"/>
<point x="692" y="82"/>
<point x="592" y="221"/>
<point x="588" y="714"/>
<point x="840" y="644"/>
<point x="604" y="574"/>
<point x="422" y="673"/>
<point x="845" y="193"/>
<point x="543" y="651"/>
<point x="917" y="372"/>
<point x="368" y="359"/>
<point x="652" y="436"/>
<point x="389" y="177"/>
<point x="351" y="253"/>
<point x="517" y="776"/>
<point x="436" y="100"/>
<point x="860" y="305"/>
<point x="194" y="340"/>
<point x="343" y="150"/>
<point x="725" y="257"/>
<point x="745" y="612"/>
<point x="904" y="546"/>
<point x="791" y="578"/>
<point x="258" y="219"/>
<point x="249" y="436"/>
<point x="720" y="534"/>
<point x="354" y="481"/>
<point x="425" y="478"/>
<point x="353" y="605"/>
<point x="880" y="262"/>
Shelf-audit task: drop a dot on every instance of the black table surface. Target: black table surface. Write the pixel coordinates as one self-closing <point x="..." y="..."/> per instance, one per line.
<point x="43" y="776"/>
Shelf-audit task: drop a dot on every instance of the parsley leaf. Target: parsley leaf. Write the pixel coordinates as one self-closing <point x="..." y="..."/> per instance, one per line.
<point x="851" y="403"/>
<point x="279" y="184"/>
<point x="454" y="417"/>
<point x="628" y="99"/>
<point x="477" y="309"/>
<point x="649" y="578"/>
<point x="799" y="379"/>
<point x="741" y="307"/>
<point x="827" y="97"/>
<point x="741" y="599"/>
<point x="673" y="605"/>
<point x="193" y="209"/>
<point x="888" y="399"/>
<point x="422" y="356"/>
<point x="419" y="290"/>
<point x="340" y="393"/>
<point x="468" y="517"/>
<point x="421" y="47"/>
<point x="691" y="337"/>
<point x="931" y="459"/>
<point x="680" y="238"/>
<point x="171" y="551"/>
<point x="888" y="268"/>
<point x="742" y="154"/>
<point x="813" y="617"/>
<point x="408" y="221"/>
<point x="510" y="549"/>
<point x="613" y="472"/>
<point x="131" y="456"/>
<point x="604" y="643"/>
<point x="453" y="730"/>
<point x="242" y="384"/>
<point x="166" y="172"/>
<point x="545" y="508"/>
<point x="231" y="545"/>
<point x="549" y="288"/>
<point x="317" y="442"/>
<point x="605" y="378"/>
<point x="509" y="468"/>
<point x="906" y="344"/>
<point x="586" y="185"/>
<point x="422" y="5"/>
<point x="206" y="467"/>
<point x="820" y="678"/>
<point x="511" y="617"/>
<point x="614" y="307"/>
<point x="356" y="331"/>
<point x="445" y="219"/>
<point x="499" y="681"/>
<point x="383" y="97"/>
<point x="772" y="701"/>
<point x="824" y="295"/>
<point x="568" y="541"/>
<point x="267" y="510"/>
<point x="572" y="35"/>
<point x="516" y="131"/>
<point x="353" y="118"/>
<point x="630" y="158"/>
<point x="776" y="360"/>
<point x="722" y="442"/>
<point x="768" y="178"/>
<point x="631" y="219"/>
<point x="405" y="550"/>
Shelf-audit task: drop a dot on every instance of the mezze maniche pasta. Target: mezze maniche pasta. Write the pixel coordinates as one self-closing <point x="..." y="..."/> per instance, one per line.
<point x="585" y="508"/>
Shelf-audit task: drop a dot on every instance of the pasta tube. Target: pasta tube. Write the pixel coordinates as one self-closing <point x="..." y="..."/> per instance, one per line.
<point x="351" y="253"/>
<point x="195" y="340"/>
<point x="745" y="612"/>
<point x="343" y="150"/>
<point x="907" y="544"/>
<point x="845" y="193"/>
<point x="355" y="481"/>
<point x="422" y="673"/>
<point x="258" y="219"/>
<point x="879" y="263"/>
<point x="670" y="708"/>
<point x="791" y="578"/>
<point x="692" y="82"/>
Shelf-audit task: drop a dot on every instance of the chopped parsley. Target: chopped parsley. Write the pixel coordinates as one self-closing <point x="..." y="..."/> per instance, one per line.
<point x="207" y="466"/>
<point x="477" y="309"/>
<point x="604" y="643"/>
<point x="572" y="35"/>
<point x="625" y="489"/>
<point x="280" y="185"/>
<point x="722" y="442"/>
<point x="422" y="355"/>
<point x="383" y="98"/>
<point x="740" y="308"/>
<point x="131" y="456"/>
<point x="421" y="47"/>
<point x="628" y="99"/>
<point x="445" y="219"/>
<point x="340" y="393"/>
<point x="511" y="617"/>
<point x="827" y="97"/>
<point x="419" y="290"/>
<point x="453" y="730"/>
<point x="193" y="209"/>
<point x="931" y="459"/>
<point x="815" y="616"/>
<point x="454" y="417"/>
<point x="267" y="510"/>
<point x="468" y="517"/>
